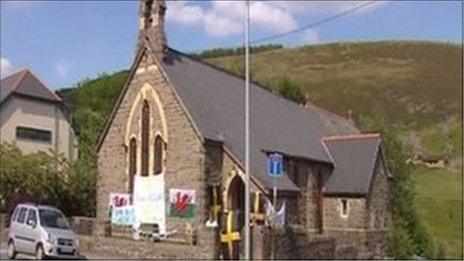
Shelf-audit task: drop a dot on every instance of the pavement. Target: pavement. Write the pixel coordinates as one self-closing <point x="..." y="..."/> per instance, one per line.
<point x="86" y="256"/>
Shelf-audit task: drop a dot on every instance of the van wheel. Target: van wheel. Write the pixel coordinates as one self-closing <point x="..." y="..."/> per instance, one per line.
<point x="11" y="250"/>
<point x="39" y="252"/>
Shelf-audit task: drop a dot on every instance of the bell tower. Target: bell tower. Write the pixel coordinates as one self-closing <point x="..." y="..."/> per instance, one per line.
<point x="151" y="26"/>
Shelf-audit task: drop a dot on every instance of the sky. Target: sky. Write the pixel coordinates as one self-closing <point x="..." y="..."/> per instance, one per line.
<point x="65" y="42"/>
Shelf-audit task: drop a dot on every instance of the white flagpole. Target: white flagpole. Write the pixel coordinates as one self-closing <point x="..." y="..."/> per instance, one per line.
<point x="247" y="132"/>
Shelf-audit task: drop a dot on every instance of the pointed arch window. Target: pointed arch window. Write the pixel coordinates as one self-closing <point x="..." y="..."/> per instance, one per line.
<point x="145" y="137"/>
<point x="132" y="163"/>
<point x="158" y="155"/>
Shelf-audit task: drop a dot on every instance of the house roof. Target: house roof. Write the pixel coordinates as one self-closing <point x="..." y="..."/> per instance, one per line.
<point x="25" y="83"/>
<point x="355" y="158"/>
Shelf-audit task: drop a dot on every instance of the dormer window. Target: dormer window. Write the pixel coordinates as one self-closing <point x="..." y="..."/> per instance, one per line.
<point x="344" y="208"/>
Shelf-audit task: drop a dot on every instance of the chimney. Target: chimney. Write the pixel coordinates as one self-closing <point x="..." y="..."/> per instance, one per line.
<point x="151" y="26"/>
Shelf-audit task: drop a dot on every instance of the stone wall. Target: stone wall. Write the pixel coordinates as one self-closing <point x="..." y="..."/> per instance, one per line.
<point x="356" y="210"/>
<point x="130" y="249"/>
<point x="184" y="155"/>
<point x="379" y="200"/>
<point x="82" y="225"/>
<point x="306" y="200"/>
<point x="368" y="220"/>
<point x="296" y="243"/>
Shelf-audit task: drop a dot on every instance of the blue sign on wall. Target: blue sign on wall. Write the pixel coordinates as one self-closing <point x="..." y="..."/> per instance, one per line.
<point x="275" y="167"/>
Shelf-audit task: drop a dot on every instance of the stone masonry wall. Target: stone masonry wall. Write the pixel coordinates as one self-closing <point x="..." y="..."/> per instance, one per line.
<point x="368" y="220"/>
<point x="356" y="209"/>
<point x="184" y="158"/>
<point x="129" y="249"/>
<point x="379" y="202"/>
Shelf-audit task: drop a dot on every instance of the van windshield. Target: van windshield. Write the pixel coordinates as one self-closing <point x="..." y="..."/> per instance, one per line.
<point x="53" y="219"/>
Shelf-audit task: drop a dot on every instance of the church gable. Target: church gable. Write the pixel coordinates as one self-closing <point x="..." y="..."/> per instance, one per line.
<point x="148" y="133"/>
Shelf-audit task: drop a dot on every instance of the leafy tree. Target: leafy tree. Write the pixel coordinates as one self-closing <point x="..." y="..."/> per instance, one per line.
<point x="291" y="90"/>
<point x="408" y="236"/>
<point x="46" y="178"/>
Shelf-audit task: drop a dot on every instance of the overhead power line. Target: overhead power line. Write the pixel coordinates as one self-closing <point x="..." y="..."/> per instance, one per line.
<point x="317" y="23"/>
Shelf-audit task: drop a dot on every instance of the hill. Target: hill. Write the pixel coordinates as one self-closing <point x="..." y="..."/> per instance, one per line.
<point x="416" y="83"/>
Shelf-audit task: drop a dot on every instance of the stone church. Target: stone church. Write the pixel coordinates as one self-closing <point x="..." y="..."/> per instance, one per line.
<point x="183" y="120"/>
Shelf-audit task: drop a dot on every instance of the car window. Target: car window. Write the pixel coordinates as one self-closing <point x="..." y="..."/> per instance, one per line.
<point x="31" y="216"/>
<point x="53" y="219"/>
<point x="22" y="215"/>
<point x="15" y="214"/>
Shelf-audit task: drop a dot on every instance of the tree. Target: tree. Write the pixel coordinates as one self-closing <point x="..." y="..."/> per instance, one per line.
<point x="46" y="178"/>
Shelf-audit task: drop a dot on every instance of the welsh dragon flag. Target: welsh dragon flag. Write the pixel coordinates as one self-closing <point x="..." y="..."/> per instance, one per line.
<point x="182" y="203"/>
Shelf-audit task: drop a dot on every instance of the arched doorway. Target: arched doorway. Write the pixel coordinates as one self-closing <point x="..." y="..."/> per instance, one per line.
<point x="236" y="195"/>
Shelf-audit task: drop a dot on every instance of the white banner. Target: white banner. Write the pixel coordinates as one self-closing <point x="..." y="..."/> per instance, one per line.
<point x="149" y="203"/>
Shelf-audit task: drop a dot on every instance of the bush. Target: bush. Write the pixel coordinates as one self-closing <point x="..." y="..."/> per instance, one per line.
<point x="45" y="178"/>
<point x="291" y="90"/>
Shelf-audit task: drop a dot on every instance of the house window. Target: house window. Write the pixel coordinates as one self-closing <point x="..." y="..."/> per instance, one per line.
<point x="33" y="134"/>
<point x="158" y="160"/>
<point x="132" y="163"/>
<point x="145" y="137"/>
<point x="344" y="208"/>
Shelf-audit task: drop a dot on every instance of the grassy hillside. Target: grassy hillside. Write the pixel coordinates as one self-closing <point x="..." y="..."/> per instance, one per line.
<point x="439" y="204"/>
<point x="416" y="83"/>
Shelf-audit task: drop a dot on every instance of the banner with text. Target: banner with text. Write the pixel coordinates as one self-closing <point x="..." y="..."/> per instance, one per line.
<point x="123" y="216"/>
<point x="149" y="203"/>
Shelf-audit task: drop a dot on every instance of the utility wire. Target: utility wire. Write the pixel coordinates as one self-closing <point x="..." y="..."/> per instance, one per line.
<point x="317" y="23"/>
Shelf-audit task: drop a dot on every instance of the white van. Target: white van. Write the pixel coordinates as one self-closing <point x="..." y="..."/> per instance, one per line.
<point x="41" y="230"/>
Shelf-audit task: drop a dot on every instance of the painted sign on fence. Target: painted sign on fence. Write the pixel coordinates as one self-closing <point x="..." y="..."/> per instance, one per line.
<point x="123" y="216"/>
<point x="182" y="203"/>
<point x="149" y="203"/>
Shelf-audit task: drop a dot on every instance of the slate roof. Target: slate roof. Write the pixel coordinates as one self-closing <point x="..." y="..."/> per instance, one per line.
<point x="216" y="101"/>
<point x="354" y="158"/>
<point x="25" y="83"/>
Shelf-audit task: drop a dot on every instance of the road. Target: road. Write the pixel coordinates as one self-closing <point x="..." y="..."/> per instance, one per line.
<point x="89" y="256"/>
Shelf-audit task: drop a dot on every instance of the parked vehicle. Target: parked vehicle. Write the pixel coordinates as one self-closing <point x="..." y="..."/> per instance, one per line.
<point x="41" y="230"/>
